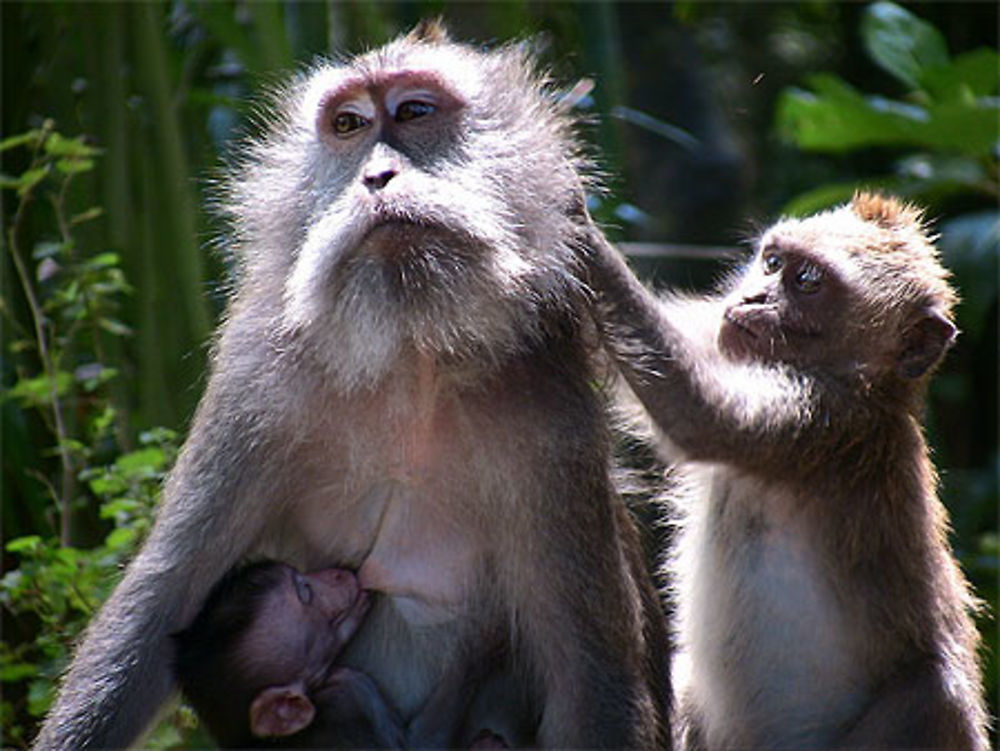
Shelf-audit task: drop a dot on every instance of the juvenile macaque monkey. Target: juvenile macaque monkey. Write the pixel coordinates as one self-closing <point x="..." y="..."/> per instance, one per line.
<point x="819" y="603"/>
<point x="258" y="666"/>
<point x="405" y="364"/>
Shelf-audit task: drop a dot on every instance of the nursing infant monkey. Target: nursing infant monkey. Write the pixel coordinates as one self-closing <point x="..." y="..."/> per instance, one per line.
<point x="402" y="387"/>
<point x="258" y="666"/>
<point x="819" y="604"/>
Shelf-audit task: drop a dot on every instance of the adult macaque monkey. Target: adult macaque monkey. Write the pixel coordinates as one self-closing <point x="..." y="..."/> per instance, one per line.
<point x="819" y="604"/>
<point x="402" y="387"/>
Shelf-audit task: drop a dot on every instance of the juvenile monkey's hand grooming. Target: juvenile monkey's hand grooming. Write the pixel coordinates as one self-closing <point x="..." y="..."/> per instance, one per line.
<point x="401" y="387"/>
<point x="819" y="604"/>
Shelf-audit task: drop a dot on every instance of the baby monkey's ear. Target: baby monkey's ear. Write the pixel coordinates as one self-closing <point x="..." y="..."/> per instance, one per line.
<point x="925" y="340"/>
<point x="281" y="710"/>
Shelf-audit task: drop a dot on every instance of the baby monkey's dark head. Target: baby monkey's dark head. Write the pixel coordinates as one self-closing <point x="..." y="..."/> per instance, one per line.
<point x="859" y="290"/>
<point x="414" y="199"/>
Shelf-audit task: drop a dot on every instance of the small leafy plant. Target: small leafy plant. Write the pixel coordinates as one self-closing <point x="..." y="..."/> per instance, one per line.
<point x="95" y="471"/>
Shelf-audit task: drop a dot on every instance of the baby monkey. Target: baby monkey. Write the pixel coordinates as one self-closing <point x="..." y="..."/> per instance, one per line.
<point x="257" y="665"/>
<point x="819" y="604"/>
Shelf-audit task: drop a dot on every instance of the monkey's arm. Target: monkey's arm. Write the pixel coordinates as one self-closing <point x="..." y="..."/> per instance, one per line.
<point x="712" y="408"/>
<point x="121" y="673"/>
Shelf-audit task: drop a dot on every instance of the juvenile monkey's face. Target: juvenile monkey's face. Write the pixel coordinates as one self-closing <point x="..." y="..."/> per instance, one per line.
<point x="431" y="185"/>
<point x="789" y="304"/>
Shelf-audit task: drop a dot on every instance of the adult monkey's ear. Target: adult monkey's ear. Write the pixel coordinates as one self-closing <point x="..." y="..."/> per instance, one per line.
<point x="925" y="340"/>
<point x="281" y="710"/>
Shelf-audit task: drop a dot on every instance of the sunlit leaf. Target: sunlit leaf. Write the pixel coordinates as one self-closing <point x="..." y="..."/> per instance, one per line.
<point x="37" y="391"/>
<point x="102" y="260"/>
<point x="141" y="460"/>
<point x="74" y="166"/>
<point x="30" y="179"/>
<point x="59" y="146"/>
<point x="120" y="538"/>
<point x="21" y="139"/>
<point x="27" y="544"/>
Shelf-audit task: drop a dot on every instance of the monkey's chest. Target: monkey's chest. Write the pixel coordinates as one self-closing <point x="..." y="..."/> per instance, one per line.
<point x="420" y="556"/>
<point x="773" y="660"/>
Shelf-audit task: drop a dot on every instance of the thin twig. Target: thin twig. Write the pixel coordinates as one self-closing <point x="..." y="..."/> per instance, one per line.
<point x="44" y="353"/>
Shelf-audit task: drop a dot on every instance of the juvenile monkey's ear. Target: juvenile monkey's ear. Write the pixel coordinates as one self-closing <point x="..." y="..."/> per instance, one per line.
<point x="281" y="710"/>
<point x="924" y="343"/>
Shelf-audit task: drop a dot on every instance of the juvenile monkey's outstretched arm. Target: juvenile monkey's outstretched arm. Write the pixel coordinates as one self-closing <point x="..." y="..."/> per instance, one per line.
<point x="710" y="407"/>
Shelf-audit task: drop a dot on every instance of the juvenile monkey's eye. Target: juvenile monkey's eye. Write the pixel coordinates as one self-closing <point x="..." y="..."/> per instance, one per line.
<point x="345" y="123"/>
<point x="772" y="263"/>
<point x="411" y="109"/>
<point x="303" y="590"/>
<point x="809" y="277"/>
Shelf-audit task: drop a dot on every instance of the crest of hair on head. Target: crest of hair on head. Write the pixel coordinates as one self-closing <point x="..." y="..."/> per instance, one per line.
<point x="886" y="211"/>
<point x="904" y="254"/>
<point x="429" y="31"/>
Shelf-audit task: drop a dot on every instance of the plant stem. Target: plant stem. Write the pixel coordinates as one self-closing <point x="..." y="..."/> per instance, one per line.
<point x="45" y="355"/>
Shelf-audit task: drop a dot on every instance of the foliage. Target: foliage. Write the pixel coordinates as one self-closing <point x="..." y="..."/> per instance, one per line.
<point x="63" y="375"/>
<point x="950" y="114"/>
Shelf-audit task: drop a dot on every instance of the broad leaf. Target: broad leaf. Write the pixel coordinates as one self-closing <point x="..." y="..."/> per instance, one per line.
<point x="901" y="43"/>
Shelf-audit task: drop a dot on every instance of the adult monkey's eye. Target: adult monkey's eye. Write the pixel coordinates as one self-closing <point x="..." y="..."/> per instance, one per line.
<point x="809" y="277"/>
<point x="346" y="123"/>
<point x="772" y="262"/>
<point x="411" y="109"/>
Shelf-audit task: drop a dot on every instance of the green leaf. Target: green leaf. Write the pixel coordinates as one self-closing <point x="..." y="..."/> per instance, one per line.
<point x="835" y="117"/>
<point x="30" y="179"/>
<point x="21" y="139"/>
<point x="40" y="695"/>
<point x="102" y="260"/>
<point x="74" y="166"/>
<point x="28" y="544"/>
<point x="59" y="146"/>
<point x="120" y="507"/>
<point x="967" y="77"/>
<point x="37" y="392"/>
<point x="901" y="43"/>
<point x="141" y="460"/>
<point x="17" y="671"/>
<point x="107" y="485"/>
<point x="120" y="538"/>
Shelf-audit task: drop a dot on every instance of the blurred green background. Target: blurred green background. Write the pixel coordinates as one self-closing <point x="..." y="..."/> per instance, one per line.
<point x="708" y="121"/>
